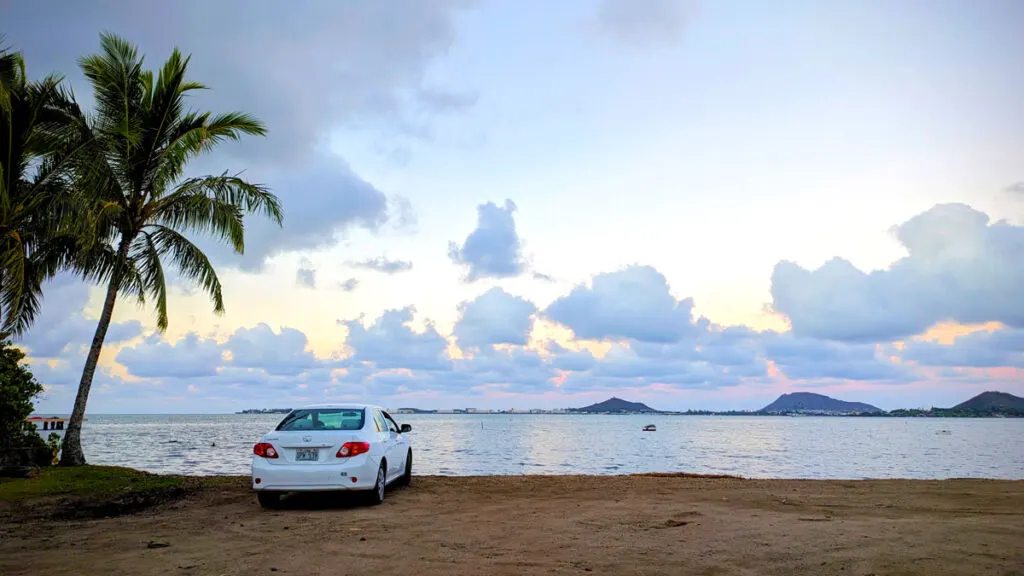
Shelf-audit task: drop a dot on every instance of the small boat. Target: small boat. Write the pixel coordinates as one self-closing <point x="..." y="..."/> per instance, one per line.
<point x="650" y="428"/>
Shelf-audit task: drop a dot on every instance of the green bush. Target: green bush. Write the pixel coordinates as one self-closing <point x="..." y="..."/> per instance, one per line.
<point x="20" y="445"/>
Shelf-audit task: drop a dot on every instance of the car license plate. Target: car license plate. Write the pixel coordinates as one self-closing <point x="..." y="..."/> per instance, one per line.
<point x="306" y="455"/>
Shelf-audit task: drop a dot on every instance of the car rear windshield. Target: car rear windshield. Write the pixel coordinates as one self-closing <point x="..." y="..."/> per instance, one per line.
<point x="323" y="419"/>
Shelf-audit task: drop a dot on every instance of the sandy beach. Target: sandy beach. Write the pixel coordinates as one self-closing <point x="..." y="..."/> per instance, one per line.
<point x="552" y="525"/>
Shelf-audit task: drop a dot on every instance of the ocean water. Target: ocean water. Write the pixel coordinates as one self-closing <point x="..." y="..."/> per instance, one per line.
<point x="756" y="447"/>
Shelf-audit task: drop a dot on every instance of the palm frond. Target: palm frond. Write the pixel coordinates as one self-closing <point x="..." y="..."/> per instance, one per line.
<point x="12" y="74"/>
<point x="116" y="78"/>
<point x="36" y="203"/>
<point x="151" y="271"/>
<point x="197" y="134"/>
<point x="216" y="205"/>
<point x="190" y="261"/>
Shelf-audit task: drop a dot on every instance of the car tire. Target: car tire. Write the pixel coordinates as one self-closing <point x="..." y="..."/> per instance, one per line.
<point x="380" y="486"/>
<point x="268" y="500"/>
<point x="406" y="478"/>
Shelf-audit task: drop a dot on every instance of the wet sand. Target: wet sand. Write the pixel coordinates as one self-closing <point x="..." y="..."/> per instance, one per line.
<point x="553" y="525"/>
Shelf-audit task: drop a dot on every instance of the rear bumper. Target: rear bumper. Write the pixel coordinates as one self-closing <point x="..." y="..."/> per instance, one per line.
<point x="358" y="474"/>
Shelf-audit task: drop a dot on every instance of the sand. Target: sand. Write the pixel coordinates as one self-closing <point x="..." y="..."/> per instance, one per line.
<point x="554" y="525"/>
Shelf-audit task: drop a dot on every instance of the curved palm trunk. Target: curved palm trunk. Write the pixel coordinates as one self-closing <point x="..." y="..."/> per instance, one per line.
<point x="71" y="450"/>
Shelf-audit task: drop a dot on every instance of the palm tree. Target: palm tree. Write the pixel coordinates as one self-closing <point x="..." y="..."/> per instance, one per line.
<point x="143" y="138"/>
<point x="40" y="134"/>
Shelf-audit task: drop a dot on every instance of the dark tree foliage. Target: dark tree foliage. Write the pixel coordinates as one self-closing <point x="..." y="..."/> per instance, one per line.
<point x="18" y="387"/>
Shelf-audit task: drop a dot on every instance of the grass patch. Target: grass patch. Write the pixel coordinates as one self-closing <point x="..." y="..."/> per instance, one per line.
<point x="88" y="491"/>
<point x="84" y="482"/>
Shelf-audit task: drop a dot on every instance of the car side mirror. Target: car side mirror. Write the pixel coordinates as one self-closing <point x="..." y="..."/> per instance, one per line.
<point x="406" y="428"/>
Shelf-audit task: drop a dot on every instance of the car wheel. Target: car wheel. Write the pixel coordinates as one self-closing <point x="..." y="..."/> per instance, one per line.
<point x="268" y="499"/>
<point x="407" y="477"/>
<point x="377" y="495"/>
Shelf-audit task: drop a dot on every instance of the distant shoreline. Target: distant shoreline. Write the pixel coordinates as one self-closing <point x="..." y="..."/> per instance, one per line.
<point x="758" y="414"/>
<point x="695" y="413"/>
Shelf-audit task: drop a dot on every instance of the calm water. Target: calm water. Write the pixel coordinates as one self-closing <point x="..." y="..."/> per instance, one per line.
<point x="775" y="447"/>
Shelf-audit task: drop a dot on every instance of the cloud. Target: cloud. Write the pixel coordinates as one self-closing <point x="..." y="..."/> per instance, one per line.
<point x="1017" y="188"/>
<point x="544" y="277"/>
<point x="389" y="343"/>
<point x="349" y="285"/>
<point x="62" y="324"/>
<point x="710" y="344"/>
<point x="569" y="360"/>
<point x="960" y="268"/>
<point x="493" y="249"/>
<point x="980" y="349"/>
<point x="383" y="264"/>
<point x="494" y="317"/>
<point x="651" y="343"/>
<point x="306" y="274"/>
<point x="433" y="101"/>
<point x="345" y="65"/>
<point x="631" y="303"/>
<point x="252" y="354"/>
<point x="283" y="353"/>
<point x="320" y="205"/>
<point x="60" y="377"/>
<point x="811" y="359"/>
<point x="643" y="23"/>
<point x="190" y="357"/>
<point x="707" y="357"/>
<point x="513" y="370"/>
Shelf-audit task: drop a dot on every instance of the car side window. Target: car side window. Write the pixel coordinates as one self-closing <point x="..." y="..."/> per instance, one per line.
<point x="391" y="423"/>
<point x="379" y="420"/>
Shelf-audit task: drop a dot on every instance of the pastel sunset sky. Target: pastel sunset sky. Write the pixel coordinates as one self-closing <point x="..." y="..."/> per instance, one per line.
<point x="525" y="203"/>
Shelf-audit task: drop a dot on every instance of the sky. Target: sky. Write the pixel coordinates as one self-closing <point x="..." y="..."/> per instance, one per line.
<point x="526" y="204"/>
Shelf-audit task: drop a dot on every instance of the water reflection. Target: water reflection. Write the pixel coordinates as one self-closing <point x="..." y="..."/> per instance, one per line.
<point x="541" y="444"/>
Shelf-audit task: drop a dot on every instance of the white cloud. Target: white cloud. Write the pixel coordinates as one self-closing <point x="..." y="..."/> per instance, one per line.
<point x="631" y="303"/>
<point x="389" y="342"/>
<point x="284" y="353"/>
<point x="493" y="249"/>
<point x="382" y="264"/>
<point x="190" y="357"/>
<point x="62" y="324"/>
<point x="960" y="267"/>
<point x="645" y="23"/>
<point x="981" y="349"/>
<point x="305" y="276"/>
<point x="494" y="317"/>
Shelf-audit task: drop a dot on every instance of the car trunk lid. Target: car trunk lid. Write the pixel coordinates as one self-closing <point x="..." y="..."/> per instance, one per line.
<point x="310" y="446"/>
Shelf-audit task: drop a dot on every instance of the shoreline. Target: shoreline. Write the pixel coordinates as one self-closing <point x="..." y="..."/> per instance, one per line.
<point x="622" y="524"/>
<point x="924" y="415"/>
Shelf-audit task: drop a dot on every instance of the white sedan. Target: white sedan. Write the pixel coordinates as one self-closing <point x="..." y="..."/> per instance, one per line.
<point x="332" y="447"/>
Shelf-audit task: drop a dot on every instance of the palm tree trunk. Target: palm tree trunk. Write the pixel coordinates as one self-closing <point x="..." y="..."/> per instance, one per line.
<point x="71" y="449"/>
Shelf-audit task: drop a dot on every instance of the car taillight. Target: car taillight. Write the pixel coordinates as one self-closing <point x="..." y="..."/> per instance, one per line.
<point x="264" y="450"/>
<point x="349" y="449"/>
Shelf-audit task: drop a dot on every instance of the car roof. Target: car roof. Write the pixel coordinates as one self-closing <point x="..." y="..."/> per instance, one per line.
<point x="341" y="406"/>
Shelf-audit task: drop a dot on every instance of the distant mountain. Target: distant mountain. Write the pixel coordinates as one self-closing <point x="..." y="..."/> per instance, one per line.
<point x="810" y="402"/>
<point x="991" y="402"/>
<point x="615" y="405"/>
